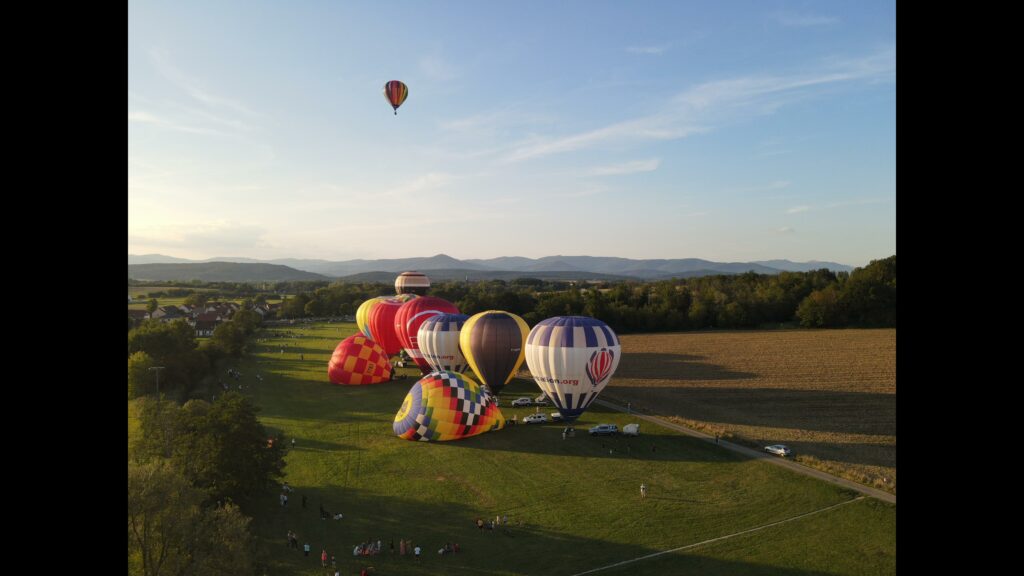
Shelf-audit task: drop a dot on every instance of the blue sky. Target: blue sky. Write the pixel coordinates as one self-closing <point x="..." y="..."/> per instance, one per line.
<point x="731" y="131"/>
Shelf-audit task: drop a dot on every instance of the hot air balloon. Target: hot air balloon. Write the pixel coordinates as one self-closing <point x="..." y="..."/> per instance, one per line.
<point x="492" y="343"/>
<point x="363" y="315"/>
<point x="408" y="320"/>
<point x="438" y="338"/>
<point x="412" y="283"/>
<point x="381" y="321"/>
<point x="358" y="360"/>
<point x="395" y="92"/>
<point x="445" y="406"/>
<point x="572" y="358"/>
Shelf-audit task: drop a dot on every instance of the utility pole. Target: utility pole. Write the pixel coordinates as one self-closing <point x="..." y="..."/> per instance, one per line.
<point x="157" y="369"/>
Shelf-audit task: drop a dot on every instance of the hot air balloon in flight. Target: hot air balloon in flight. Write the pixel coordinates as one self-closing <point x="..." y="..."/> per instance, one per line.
<point x="408" y="320"/>
<point x="572" y="358"/>
<point x="363" y="315"/>
<point x="358" y="360"/>
<point x="381" y="321"/>
<point x="445" y="406"/>
<point x="412" y="283"/>
<point x="395" y="92"/>
<point x="492" y="343"/>
<point x="438" y="338"/>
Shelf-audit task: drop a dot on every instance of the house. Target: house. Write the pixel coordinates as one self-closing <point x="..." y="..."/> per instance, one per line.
<point x="206" y="323"/>
<point x="138" y="314"/>
<point x="168" y="313"/>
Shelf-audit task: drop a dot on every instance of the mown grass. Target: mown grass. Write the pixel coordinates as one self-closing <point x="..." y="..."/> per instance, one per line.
<point x="572" y="504"/>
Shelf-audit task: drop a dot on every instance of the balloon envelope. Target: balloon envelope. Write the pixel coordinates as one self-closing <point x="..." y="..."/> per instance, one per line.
<point x="363" y="315"/>
<point x="438" y="338"/>
<point x="409" y="318"/>
<point x="382" y="325"/>
<point x="412" y="283"/>
<point x="572" y="358"/>
<point x="492" y="343"/>
<point x="358" y="360"/>
<point x="444" y="406"/>
<point x="395" y="92"/>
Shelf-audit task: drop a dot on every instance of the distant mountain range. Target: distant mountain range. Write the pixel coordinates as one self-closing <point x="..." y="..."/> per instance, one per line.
<point x="444" y="267"/>
<point x="220" y="272"/>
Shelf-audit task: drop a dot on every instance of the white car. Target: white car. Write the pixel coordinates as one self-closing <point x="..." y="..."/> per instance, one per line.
<point x="524" y="401"/>
<point x="604" y="430"/>
<point x="778" y="450"/>
<point x="536" y="419"/>
<point x="556" y="416"/>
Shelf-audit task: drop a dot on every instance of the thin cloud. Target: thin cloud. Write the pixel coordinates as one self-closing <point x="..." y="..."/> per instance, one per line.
<point x="192" y="86"/>
<point x="785" y="230"/>
<point x="647" y="49"/>
<point x="436" y="68"/>
<point x="699" y="109"/>
<point x="626" y="168"/>
<point x="794" y="20"/>
<point x="202" y="236"/>
<point x="142" y="117"/>
<point x="842" y="204"/>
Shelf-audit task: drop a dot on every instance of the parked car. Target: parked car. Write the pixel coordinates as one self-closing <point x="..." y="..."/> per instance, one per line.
<point x="536" y="419"/>
<point x="778" y="450"/>
<point x="524" y="401"/>
<point x="631" y="430"/>
<point x="604" y="430"/>
<point x="541" y="400"/>
<point x="556" y="416"/>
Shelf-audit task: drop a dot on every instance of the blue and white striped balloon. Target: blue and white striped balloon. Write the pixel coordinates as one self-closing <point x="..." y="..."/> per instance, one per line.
<point x="572" y="358"/>
<point x="438" y="339"/>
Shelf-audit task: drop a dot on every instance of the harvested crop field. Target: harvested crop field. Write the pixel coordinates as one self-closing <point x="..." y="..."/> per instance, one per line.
<point x="828" y="394"/>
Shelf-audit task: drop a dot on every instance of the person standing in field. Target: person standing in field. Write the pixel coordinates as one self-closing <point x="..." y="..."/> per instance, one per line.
<point x="643" y="490"/>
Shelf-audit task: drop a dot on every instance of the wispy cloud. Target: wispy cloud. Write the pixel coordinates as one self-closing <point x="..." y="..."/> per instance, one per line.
<point x="841" y="204"/>
<point x="647" y="49"/>
<point x="143" y="117"/>
<point x="707" y="105"/>
<point x="434" y="67"/>
<point x="626" y="168"/>
<point x="193" y="86"/>
<point x="785" y="230"/>
<point x="201" y="236"/>
<point x="794" y="20"/>
<point x="427" y="182"/>
<point x="774" y="185"/>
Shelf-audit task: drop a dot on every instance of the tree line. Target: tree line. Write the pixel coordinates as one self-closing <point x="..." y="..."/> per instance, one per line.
<point x="865" y="297"/>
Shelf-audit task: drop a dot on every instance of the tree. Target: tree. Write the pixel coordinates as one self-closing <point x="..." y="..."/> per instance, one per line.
<point x="171" y="532"/>
<point x="140" y="379"/>
<point x="821" y="309"/>
<point x="197" y="299"/>
<point x="152" y="305"/>
<point x="172" y="345"/>
<point x="229" y="338"/>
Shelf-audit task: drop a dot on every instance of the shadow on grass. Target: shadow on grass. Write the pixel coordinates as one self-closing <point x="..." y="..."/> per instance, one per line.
<point x="512" y="549"/>
<point x="819" y="410"/>
<point x="674" y="367"/>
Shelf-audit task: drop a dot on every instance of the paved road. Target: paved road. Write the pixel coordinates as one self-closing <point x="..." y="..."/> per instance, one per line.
<point x="771" y="459"/>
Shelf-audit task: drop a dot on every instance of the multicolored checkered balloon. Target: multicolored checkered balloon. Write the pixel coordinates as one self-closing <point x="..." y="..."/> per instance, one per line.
<point x="445" y="406"/>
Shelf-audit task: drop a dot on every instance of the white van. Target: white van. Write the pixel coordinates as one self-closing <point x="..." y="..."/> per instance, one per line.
<point x="631" y="430"/>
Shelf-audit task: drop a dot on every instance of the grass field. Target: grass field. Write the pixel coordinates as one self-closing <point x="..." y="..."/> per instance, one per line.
<point x="573" y="505"/>
<point x="828" y="394"/>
